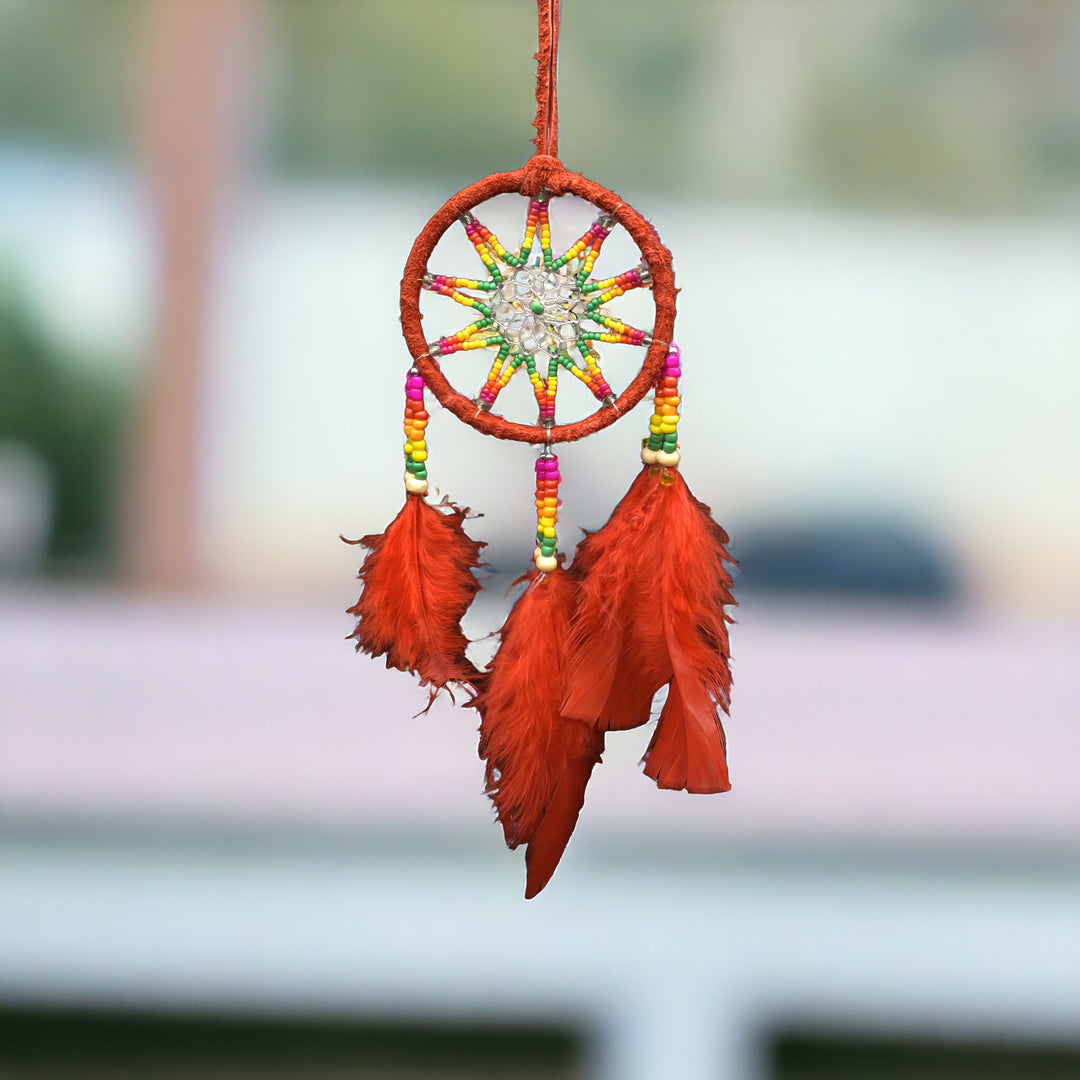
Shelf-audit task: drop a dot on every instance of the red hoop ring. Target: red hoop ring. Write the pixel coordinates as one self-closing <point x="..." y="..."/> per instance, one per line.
<point x="540" y="173"/>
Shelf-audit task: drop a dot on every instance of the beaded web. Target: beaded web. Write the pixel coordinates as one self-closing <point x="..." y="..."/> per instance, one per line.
<point x="540" y="311"/>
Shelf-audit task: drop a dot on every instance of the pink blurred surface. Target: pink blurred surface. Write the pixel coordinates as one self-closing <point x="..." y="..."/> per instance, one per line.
<point x="858" y="724"/>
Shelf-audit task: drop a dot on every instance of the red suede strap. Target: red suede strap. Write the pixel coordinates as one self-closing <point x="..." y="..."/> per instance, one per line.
<point x="547" y="58"/>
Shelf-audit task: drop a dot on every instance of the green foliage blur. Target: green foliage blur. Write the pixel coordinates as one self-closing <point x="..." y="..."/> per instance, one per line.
<point x="72" y="416"/>
<point x="952" y="105"/>
<point x="445" y="90"/>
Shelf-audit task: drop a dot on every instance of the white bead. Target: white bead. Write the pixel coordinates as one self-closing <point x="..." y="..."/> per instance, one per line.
<point x="415" y="486"/>
<point x="666" y="459"/>
<point x="649" y="456"/>
<point x="547" y="564"/>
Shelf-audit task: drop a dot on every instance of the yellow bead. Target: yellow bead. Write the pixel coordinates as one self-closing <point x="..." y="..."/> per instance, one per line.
<point x="549" y="533"/>
<point x="419" y="455"/>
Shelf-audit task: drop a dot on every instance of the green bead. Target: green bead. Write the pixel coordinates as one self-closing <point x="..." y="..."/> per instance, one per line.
<point x="671" y="442"/>
<point x="413" y="466"/>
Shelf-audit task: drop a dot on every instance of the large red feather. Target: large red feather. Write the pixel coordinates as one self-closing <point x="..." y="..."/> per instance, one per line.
<point x="653" y="585"/>
<point x="418" y="583"/>
<point x="538" y="760"/>
<point x="598" y="668"/>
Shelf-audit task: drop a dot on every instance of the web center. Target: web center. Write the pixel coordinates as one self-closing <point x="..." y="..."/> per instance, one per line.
<point x="539" y="310"/>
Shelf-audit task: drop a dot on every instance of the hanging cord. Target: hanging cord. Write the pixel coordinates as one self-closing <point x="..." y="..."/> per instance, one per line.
<point x="547" y="62"/>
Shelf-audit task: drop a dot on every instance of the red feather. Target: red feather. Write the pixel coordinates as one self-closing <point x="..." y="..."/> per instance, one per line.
<point x="418" y="583"/>
<point x="653" y="585"/>
<point x="614" y="672"/>
<point x="538" y="760"/>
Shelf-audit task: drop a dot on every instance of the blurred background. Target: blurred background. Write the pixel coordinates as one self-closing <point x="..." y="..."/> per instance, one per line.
<point x="224" y="844"/>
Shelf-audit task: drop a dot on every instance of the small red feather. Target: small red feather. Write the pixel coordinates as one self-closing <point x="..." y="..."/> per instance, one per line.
<point x="538" y="760"/>
<point x="653" y="584"/>
<point x="418" y="583"/>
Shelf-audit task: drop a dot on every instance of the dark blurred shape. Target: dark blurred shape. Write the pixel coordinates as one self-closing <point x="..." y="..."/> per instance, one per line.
<point x="25" y="509"/>
<point x="36" y="1044"/>
<point x="69" y="416"/>
<point x="858" y="558"/>
<point x="806" y="1056"/>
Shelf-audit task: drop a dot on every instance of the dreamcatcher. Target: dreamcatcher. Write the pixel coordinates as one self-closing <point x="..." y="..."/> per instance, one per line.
<point x="584" y="650"/>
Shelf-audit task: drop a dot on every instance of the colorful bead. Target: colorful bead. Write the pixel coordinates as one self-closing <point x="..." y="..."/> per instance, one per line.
<point x="547" y="512"/>
<point x="648" y="455"/>
<point x="416" y="418"/>
<point x="661" y="448"/>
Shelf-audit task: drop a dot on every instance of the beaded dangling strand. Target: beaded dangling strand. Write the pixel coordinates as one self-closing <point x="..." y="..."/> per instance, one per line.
<point x="547" y="512"/>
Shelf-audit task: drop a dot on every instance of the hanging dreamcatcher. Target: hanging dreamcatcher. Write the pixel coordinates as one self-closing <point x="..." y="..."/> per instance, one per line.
<point x="642" y="606"/>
